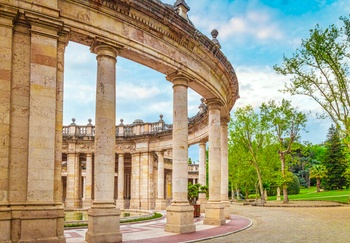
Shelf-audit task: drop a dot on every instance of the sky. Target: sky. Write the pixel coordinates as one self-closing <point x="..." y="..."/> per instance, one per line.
<point x="254" y="35"/>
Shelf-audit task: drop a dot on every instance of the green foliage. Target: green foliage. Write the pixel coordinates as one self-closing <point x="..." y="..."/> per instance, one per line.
<point x="249" y="135"/>
<point x="293" y="186"/>
<point x="285" y="122"/>
<point x="335" y="161"/>
<point x="318" y="171"/>
<point x="320" y="70"/>
<point x="193" y="190"/>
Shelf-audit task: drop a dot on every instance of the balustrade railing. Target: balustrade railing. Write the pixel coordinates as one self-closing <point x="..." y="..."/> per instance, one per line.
<point x="137" y="128"/>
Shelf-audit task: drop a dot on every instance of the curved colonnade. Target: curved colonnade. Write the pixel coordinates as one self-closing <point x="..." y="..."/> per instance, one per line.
<point x="33" y="36"/>
<point x="138" y="145"/>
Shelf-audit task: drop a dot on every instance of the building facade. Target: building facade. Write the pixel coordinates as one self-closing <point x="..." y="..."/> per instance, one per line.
<point x="33" y="37"/>
<point x="143" y="163"/>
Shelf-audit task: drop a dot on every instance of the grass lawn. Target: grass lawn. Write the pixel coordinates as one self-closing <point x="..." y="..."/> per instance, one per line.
<point x="310" y="194"/>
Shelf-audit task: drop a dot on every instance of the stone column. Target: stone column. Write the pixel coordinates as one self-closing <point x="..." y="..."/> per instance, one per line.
<point x="135" y="181"/>
<point x="214" y="211"/>
<point x="58" y="190"/>
<point x="180" y="213"/>
<point x="88" y="181"/>
<point x="7" y="83"/>
<point x="161" y="202"/>
<point x="120" y="200"/>
<point x="73" y="200"/>
<point x="103" y="224"/>
<point x="224" y="167"/>
<point x="202" y="175"/>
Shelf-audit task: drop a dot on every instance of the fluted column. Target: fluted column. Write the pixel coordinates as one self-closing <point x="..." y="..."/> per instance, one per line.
<point x="120" y="201"/>
<point x="160" y="202"/>
<point x="103" y="225"/>
<point x="224" y="167"/>
<point x="214" y="211"/>
<point x="180" y="213"/>
<point x="88" y="181"/>
<point x="202" y="175"/>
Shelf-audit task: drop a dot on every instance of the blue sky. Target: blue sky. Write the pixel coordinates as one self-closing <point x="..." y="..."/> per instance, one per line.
<point x="254" y="35"/>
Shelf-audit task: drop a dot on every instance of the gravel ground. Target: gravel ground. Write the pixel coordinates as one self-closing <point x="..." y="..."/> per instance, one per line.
<point x="303" y="222"/>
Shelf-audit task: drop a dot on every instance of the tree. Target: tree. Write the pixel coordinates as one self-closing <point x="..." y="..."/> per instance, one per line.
<point x="335" y="160"/>
<point x="242" y="175"/>
<point x="248" y="130"/>
<point x="286" y="123"/>
<point x="320" y="70"/>
<point x="319" y="172"/>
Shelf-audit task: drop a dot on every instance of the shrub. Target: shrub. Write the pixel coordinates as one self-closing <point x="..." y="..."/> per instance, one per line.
<point x="293" y="186"/>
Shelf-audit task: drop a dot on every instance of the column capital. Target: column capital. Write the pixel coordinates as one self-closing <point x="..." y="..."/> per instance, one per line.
<point x="179" y="78"/>
<point x="103" y="48"/>
<point x="214" y="103"/>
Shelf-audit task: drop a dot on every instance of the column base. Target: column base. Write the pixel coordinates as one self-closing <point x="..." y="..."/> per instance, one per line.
<point x="5" y="224"/>
<point x="37" y="223"/>
<point x="227" y="211"/>
<point x="160" y="204"/>
<point x="120" y="203"/>
<point x="179" y="219"/>
<point x="214" y="214"/>
<point x="103" y="225"/>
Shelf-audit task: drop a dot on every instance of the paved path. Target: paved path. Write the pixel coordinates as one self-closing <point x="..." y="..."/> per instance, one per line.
<point x="301" y="223"/>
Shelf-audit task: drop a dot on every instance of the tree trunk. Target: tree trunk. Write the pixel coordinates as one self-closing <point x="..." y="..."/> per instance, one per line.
<point x="261" y="188"/>
<point x="318" y="184"/>
<point x="285" y="192"/>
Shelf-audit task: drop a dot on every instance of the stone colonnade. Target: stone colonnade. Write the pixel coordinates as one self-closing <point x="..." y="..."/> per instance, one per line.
<point x="33" y="39"/>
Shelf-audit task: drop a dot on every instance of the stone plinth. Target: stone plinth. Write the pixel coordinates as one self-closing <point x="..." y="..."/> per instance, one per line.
<point x="227" y="211"/>
<point x="214" y="214"/>
<point x="180" y="219"/>
<point x="37" y="224"/>
<point x="5" y="225"/>
<point x="103" y="225"/>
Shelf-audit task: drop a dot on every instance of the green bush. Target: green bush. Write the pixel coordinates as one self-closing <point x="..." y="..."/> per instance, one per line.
<point x="293" y="186"/>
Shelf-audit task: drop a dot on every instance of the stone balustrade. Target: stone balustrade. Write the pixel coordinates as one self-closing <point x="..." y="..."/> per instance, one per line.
<point x="137" y="128"/>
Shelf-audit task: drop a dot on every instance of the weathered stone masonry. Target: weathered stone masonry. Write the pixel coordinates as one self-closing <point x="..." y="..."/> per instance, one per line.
<point x="33" y="37"/>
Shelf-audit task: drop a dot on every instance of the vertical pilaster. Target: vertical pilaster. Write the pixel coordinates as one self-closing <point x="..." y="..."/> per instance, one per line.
<point x="145" y="182"/>
<point x="135" y="181"/>
<point x="180" y="213"/>
<point x="214" y="211"/>
<point x="224" y="167"/>
<point x="160" y="202"/>
<point x="103" y="225"/>
<point x="34" y="68"/>
<point x="120" y="201"/>
<point x="58" y="190"/>
<point x="73" y="200"/>
<point x="202" y="175"/>
<point x="6" y="47"/>
<point x="88" y="181"/>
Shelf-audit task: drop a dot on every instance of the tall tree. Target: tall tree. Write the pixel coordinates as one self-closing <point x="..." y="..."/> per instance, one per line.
<point x="320" y="70"/>
<point x="286" y="123"/>
<point x="335" y="160"/>
<point x="248" y="130"/>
